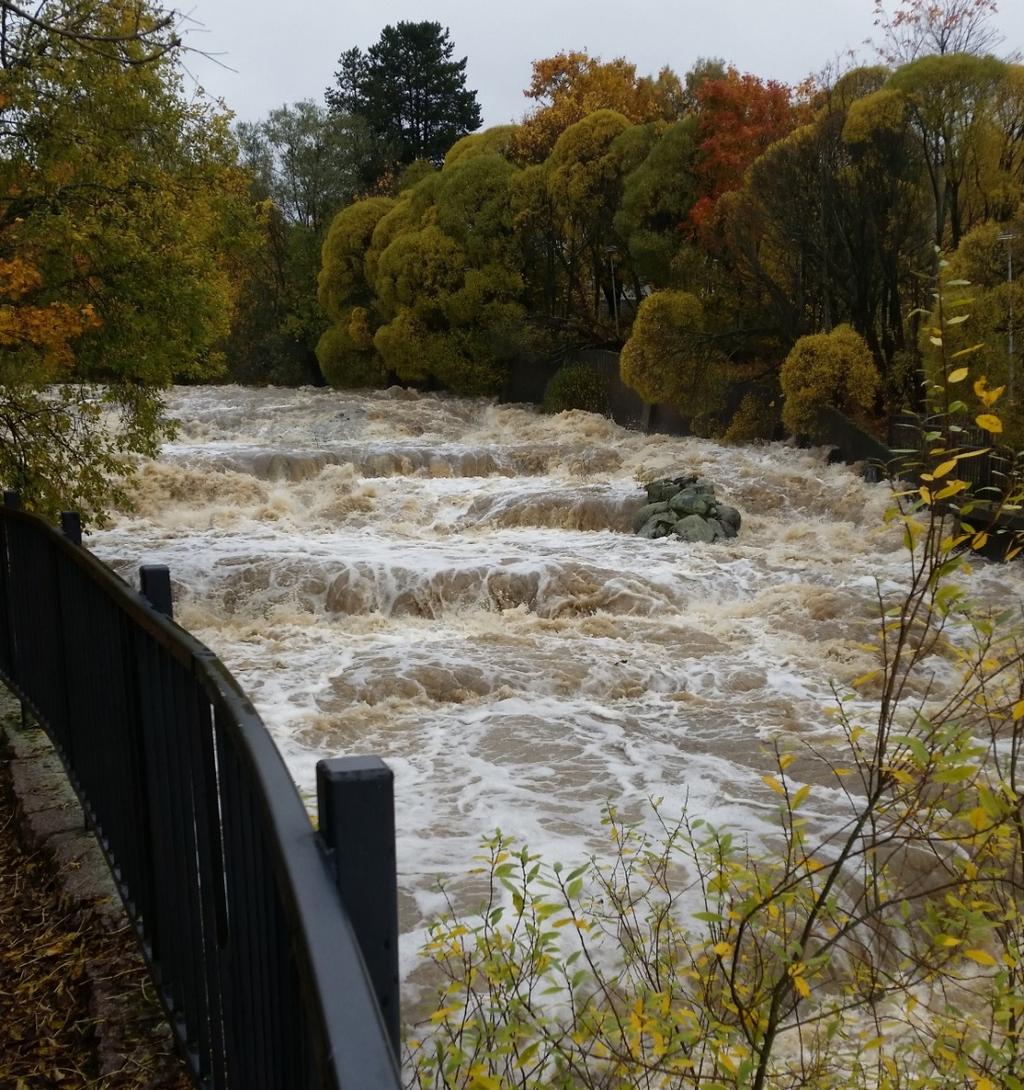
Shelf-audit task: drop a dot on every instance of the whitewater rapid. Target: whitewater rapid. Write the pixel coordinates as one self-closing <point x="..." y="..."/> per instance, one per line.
<point x="452" y="584"/>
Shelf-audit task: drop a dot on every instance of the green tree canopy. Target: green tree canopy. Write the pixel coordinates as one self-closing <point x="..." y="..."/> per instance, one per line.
<point x="947" y="104"/>
<point x="306" y="159"/>
<point x="428" y="287"/>
<point x="342" y="274"/>
<point x="474" y="206"/>
<point x="305" y="162"/>
<point x="121" y="206"/>
<point x="656" y="199"/>
<point x="409" y="90"/>
<point x="826" y="370"/>
<point x="670" y="357"/>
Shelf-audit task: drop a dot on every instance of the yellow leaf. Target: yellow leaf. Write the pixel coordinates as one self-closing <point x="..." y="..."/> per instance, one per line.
<point x="958" y="375"/>
<point x="864" y="679"/>
<point x="801" y="796"/>
<point x="984" y="394"/>
<point x="802" y="986"/>
<point x="978" y="820"/>
<point x="786" y="760"/>
<point x="951" y="489"/>
<point x="967" y="351"/>
<point x="942" y="469"/>
<point x="949" y="940"/>
<point x="722" y="949"/>
<point x="1018" y="710"/>
<point x="979" y="541"/>
<point x="981" y="1083"/>
<point x="989" y="423"/>
<point x="982" y="957"/>
<point x="775" y="784"/>
<point x="442" y="1014"/>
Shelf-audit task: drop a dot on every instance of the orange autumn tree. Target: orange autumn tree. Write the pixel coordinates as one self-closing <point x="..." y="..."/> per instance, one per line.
<point x="36" y="350"/>
<point x="568" y="86"/>
<point x="738" y="117"/>
<point x="37" y="337"/>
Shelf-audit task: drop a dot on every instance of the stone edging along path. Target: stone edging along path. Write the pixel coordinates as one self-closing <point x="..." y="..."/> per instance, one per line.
<point x="131" y="1045"/>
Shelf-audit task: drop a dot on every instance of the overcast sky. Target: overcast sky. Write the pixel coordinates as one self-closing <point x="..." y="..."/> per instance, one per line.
<point x="282" y="52"/>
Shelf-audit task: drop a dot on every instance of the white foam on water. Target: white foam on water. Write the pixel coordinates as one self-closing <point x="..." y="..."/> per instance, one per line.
<point x="451" y="584"/>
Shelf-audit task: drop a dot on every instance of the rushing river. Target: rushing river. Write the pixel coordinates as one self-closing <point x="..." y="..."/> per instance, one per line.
<point x="453" y="585"/>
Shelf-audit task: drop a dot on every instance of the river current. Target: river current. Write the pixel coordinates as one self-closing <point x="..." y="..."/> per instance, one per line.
<point x="453" y="585"/>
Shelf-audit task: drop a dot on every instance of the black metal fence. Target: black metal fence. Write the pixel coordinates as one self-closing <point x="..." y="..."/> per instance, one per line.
<point x="990" y="474"/>
<point x="273" y="948"/>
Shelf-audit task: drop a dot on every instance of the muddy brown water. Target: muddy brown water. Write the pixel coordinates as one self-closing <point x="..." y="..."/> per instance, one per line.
<point x="452" y="584"/>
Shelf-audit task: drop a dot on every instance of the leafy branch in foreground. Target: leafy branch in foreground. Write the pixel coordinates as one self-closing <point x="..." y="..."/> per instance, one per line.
<point x="876" y="939"/>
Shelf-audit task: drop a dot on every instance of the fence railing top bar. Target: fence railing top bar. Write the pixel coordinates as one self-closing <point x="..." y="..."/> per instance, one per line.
<point x="329" y="959"/>
<point x="181" y="643"/>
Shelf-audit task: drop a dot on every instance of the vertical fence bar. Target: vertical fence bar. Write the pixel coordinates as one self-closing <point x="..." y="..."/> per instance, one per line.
<point x="71" y="526"/>
<point x="356" y="802"/>
<point x="199" y="740"/>
<point x="155" y="584"/>
<point x="6" y="617"/>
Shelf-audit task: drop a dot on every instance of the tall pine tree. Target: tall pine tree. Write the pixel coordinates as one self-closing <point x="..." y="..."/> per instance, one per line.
<point x="409" y="91"/>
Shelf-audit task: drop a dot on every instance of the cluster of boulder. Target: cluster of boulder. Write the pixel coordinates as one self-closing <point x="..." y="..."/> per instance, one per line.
<point x="687" y="508"/>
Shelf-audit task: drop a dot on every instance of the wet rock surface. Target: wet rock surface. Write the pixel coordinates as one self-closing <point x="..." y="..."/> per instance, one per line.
<point x="686" y="507"/>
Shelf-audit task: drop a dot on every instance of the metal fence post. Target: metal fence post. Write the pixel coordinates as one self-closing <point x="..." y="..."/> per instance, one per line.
<point x="355" y="798"/>
<point x="71" y="526"/>
<point x="155" y="584"/>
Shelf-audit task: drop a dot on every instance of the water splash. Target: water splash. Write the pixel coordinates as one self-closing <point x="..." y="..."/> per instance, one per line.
<point x="451" y="584"/>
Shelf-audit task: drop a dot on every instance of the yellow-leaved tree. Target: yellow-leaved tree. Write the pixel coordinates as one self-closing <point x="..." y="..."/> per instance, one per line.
<point x="120" y="208"/>
<point x="826" y="371"/>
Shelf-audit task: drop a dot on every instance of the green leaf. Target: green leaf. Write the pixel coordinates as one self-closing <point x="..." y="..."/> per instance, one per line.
<point x="954" y="775"/>
<point x="916" y="747"/>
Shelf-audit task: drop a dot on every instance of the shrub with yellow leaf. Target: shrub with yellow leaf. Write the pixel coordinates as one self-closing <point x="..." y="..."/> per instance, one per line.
<point x="826" y="370"/>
